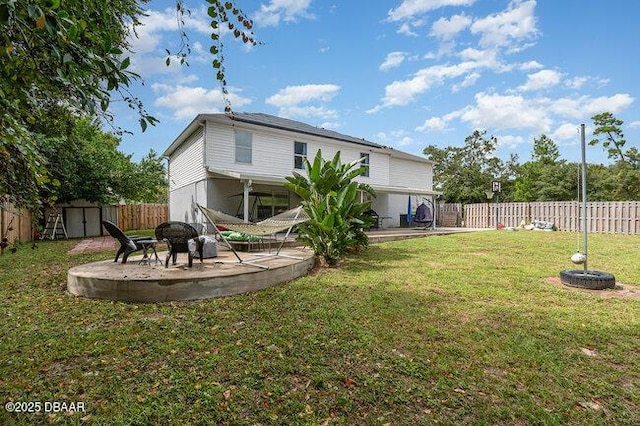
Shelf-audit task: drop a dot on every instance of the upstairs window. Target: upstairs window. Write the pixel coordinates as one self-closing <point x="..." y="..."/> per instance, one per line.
<point x="364" y="161"/>
<point x="299" y="154"/>
<point x="244" y="141"/>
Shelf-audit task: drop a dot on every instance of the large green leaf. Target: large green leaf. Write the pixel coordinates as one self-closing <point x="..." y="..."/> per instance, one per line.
<point x="330" y="199"/>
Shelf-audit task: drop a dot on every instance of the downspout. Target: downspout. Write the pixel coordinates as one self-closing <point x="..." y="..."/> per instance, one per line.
<point x="168" y="189"/>
<point x="205" y="165"/>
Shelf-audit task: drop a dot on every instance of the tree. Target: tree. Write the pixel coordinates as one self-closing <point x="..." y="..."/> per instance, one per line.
<point x="622" y="179"/>
<point x="608" y="132"/>
<point x="545" y="150"/>
<point x="545" y="177"/>
<point x="86" y="164"/>
<point x="71" y="55"/>
<point x="330" y="197"/>
<point x="464" y="173"/>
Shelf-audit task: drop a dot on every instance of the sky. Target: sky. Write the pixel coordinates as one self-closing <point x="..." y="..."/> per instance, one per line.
<point x="401" y="73"/>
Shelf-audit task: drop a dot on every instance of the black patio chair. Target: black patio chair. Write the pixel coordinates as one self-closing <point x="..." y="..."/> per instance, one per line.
<point x="375" y="219"/>
<point x="128" y="244"/>
<point x="177" y="236"/>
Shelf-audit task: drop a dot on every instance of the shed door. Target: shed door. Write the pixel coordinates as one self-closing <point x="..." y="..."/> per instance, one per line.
<point x="82" y="221"/>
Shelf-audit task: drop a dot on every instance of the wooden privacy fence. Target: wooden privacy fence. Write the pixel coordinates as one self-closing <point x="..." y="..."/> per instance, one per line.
<point x="142" y="216"/>
<point x="15" y="223"/>
<point x="129" y="217"/>
<point x="449" y="214"/>
<point x="618" y="217"/>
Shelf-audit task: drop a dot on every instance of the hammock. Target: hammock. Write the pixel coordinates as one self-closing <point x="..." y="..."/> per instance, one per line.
<point x="278" y="223"/>
<point x="272" y="225"/>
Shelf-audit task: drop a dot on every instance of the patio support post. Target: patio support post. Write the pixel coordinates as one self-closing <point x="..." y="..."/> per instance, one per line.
<point x="245" y="200"/>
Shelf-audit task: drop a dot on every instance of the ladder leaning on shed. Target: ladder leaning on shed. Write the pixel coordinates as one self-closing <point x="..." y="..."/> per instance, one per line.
<point x="54" y="227"/>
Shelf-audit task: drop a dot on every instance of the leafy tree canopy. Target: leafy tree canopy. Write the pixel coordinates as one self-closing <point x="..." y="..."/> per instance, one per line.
<point x="88" y="165"/>
<point x="464" y="173"/>
<point x="71" y="56"/>
<point x="546" y="177"/>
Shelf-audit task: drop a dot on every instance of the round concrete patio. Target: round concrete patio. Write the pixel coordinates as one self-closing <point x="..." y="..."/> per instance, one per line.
<point x="217" y="277"/>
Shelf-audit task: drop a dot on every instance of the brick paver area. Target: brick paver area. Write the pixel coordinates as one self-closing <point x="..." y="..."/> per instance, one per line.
<point x="92" y="245"/>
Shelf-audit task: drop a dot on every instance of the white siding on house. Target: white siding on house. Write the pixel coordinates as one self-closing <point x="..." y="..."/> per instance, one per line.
<point x="273" y="152"/>
<point x="186" y="164"/>
<point x="271" y="156"/>
<point x="410" y="174"/>
<point x="397" y="206"/>
<point x="182" y="201"/>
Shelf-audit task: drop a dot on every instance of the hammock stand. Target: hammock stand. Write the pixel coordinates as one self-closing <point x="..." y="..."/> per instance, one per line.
<point x="280" y="222"/>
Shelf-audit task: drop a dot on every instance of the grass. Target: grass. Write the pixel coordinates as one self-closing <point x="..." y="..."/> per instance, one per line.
<point x="458" y="329"/>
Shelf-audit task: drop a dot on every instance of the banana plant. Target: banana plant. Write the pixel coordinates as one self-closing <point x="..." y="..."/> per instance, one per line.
<point x="330" y="197"/>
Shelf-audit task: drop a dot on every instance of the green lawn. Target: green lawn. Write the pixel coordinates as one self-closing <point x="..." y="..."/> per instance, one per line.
<point x="458" y="329"/>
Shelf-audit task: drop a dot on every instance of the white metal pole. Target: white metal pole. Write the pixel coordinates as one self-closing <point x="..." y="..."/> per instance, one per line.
<point x="584" y="194"/>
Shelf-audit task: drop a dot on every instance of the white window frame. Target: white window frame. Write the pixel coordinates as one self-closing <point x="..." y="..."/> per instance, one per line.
<point x="244" y="145"/>
<point x="365" y="160"/>
<point x="296" y="155"/>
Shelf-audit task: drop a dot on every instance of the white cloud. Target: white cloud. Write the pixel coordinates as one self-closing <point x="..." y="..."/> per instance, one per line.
<point x="437" y="124"/>
<point x="404" y="141"/>
<point x="447" y="28"/>
<point x="393" y="60"/>
<point x="507" y="112"/>
<point x="543" y="79"/>
<point x="381" y="137"/>
<point x="157" y="22"/>
<point x="147" y="48"/>
<point x="516" y="112"/>
<point x="634" y="124"/>
<point x="333" y="125"/>
<point x="487" y="58"/>
<point x="292" y="99"/>
<point x="282" y="10"/>
<point x="405" y="29"/>
<point x="585" y="106"/>
<point x="294" y="95"/>
<point x="308" y="111"/>
<point x="566" y="107"/>
<point x="509" y="141"/>
<point x="402" y="92"/>
<point x="410" y="8"/>
<point x="566" y="131"/>
<point x="613" y="104"/>
<point x="531" y="65"/>
<point x="187" y="102"/>
<point x="516" y="23"/>
<point x="398" y="138"/>
<point x="469" y="80"/>
<point x="576" y="82"/>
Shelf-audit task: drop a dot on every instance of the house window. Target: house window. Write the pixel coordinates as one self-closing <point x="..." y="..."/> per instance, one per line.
<point x="364" y="160"/>
<point x="244" y="140"/>
<point x="299" y="154"/>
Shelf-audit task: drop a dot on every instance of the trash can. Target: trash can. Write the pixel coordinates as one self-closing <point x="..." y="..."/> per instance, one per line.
<point x="403" y="221"/>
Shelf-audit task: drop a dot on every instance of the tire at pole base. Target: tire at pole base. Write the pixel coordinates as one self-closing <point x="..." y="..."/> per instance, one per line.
<point x="592" y="280"/>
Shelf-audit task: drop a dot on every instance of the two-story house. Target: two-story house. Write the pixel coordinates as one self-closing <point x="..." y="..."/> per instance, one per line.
<point x="237" y="163"/>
